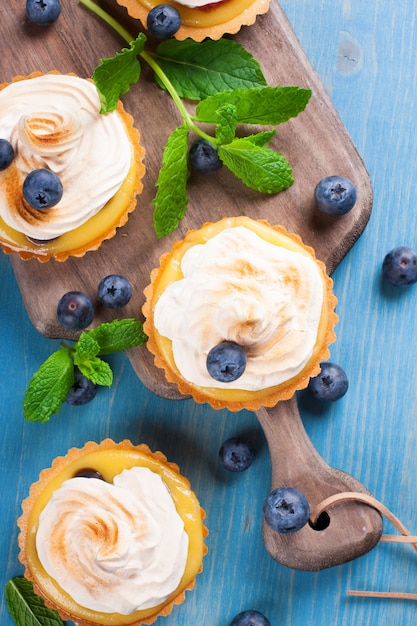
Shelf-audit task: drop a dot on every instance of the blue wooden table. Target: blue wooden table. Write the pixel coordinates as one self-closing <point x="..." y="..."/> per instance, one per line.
<point x="366" y="57"/>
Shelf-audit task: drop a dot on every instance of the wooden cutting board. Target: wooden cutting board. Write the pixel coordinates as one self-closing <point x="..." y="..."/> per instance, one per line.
<point x="315" y="143"/>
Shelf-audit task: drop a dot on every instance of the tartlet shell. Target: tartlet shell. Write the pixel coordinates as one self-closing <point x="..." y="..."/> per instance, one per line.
<point x="43" y="253"/>
<point x="272" y="395"/>
<point x="47" y="474"/>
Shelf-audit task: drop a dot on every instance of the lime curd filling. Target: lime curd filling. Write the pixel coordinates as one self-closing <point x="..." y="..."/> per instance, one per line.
<point x="114" y="547"/>
<point x="53" y="121"/>
<point x="239" y="287"/>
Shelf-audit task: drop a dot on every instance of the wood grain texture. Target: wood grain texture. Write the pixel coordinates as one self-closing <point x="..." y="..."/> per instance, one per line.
<point x="370" y="433"/>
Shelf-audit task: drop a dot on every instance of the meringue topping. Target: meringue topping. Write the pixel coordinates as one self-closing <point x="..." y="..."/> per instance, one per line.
<point x="114" y="548"/>
<point x="53" y="121"/>
<point x="239" y="287"/>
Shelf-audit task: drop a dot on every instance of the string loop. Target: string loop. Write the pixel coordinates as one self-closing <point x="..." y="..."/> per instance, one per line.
<point x="404" y="537"/>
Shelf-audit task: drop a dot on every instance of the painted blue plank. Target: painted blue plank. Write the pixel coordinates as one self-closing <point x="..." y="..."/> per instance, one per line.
<point x="366" y="59"/>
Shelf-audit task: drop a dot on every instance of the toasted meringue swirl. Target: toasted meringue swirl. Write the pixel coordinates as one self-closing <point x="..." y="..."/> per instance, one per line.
<point x="53" y="121"/>
<point x="114" y="548"/>
<point x="242" y="288"/>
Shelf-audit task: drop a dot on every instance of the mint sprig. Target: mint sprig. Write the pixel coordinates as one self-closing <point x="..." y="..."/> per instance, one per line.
<point x="51" y="383"/>
<point x="26" y="608"/>
<point x="230" y="89"/>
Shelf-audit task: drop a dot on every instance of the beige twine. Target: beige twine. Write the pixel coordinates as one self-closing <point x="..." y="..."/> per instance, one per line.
<point x="405" y="536"/>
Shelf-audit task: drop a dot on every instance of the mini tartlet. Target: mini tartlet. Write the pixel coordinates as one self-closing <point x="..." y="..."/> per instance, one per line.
<point x="53" y="121"/>
<point x="244" y="281"/>
<point x="129" y="534"/>
<point x="212" y="20"/>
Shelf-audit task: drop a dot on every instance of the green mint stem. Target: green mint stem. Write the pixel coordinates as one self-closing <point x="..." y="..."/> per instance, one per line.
<point x="124" y="34"/>
<point x="174" y="95"/>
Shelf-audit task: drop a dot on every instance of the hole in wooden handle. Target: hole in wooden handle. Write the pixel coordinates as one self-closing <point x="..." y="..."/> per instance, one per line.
<point x="321" y="522"/>
<point x="316" y="521"/>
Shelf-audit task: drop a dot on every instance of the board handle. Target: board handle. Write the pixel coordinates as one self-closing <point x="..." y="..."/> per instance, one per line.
<point x="347" y="531"/>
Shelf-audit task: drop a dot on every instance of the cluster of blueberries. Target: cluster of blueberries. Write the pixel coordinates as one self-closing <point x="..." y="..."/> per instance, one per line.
<point x="336" y="195"/>
<point x="75" y="311"/>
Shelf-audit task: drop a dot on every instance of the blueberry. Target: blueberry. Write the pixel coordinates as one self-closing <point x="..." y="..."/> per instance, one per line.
<point x="236" y="454"/>
<point x="82" y="391"/>
<point x="163" y="21"/>
<point x="399" y="266"/>
<point x="203" y="157"/>
<point x="286" y="510"/>
<point x="88" y="472"/>
<point x="42" y="12"/>
<point x="6" y="154"/>
<point x="250" y="618"/>
<point x="75" y="310"/>
<point x="114" y="291"/>
<point x="226" y="362"/>
<point x="331" y="384"/>
<point x="335" y="195"/>
<point x="42" y="189"/>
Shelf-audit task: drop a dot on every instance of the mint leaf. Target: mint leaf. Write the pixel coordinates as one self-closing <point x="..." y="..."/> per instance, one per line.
<point x="197" y="70"/>
<point x="171" y="198"/>
<point x="85" y="348"/>
<point x="219" y="75"/>
<point x="97" y="370"/>
<point x="260" y="168"/>
<point x="115" y="75"/>
<point x="226" y="124"/>
<point x="26" y="608"/>
<point x="118" y="335"/>
<point x="267" y="105"/>
<point x="48" y="387"/>
<point x="261" y="139"/>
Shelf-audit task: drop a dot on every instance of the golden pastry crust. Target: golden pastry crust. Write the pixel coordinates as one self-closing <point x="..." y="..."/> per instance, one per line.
<point x="102" y="226"/>
<point x="199" y="24"/>
<point x="235" y="399"/>
<point x="63" y="468"/>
